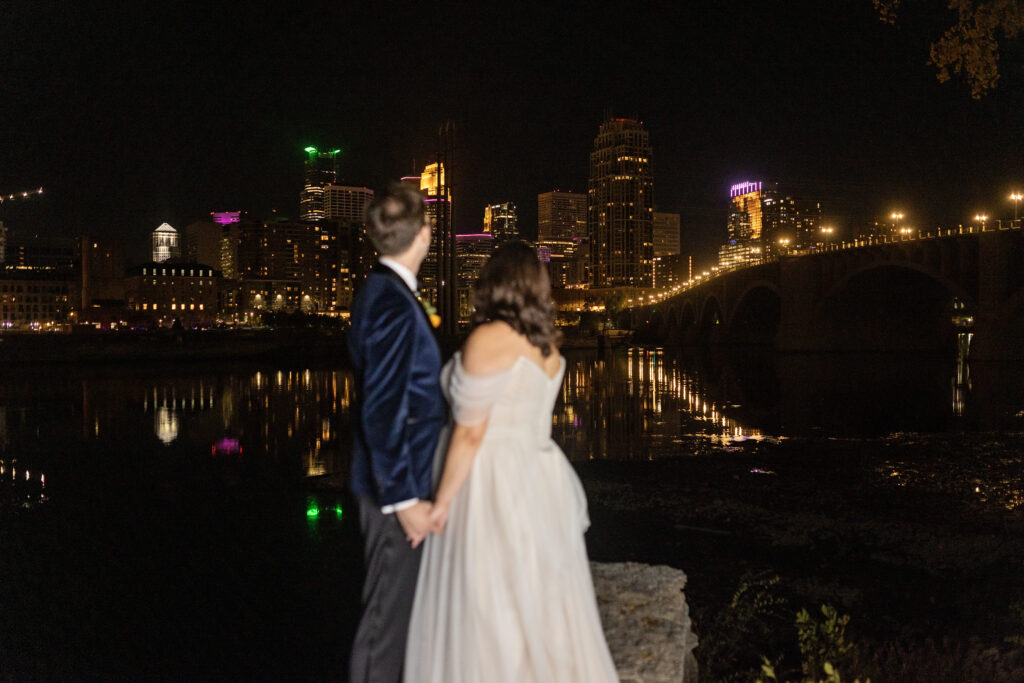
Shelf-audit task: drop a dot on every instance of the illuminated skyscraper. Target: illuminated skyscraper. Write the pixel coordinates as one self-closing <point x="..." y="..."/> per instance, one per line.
<point x="561" y="216"/>
<point x="500" y="221"/>
<point x="321" y="171"/>
<point x="666" y="233"/>
<point x="763" y="213"/>
<point x="620" y="206"/>
<point x="165" y="243"/>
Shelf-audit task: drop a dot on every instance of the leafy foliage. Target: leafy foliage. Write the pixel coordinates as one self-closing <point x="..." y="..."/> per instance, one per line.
<point x="970" y="48"/>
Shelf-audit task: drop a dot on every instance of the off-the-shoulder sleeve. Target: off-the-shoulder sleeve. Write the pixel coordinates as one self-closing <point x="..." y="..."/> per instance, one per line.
<point x="473" y="395"/>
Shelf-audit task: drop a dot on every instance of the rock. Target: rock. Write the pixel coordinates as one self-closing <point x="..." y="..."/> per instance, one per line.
<point x="646" y="621"/>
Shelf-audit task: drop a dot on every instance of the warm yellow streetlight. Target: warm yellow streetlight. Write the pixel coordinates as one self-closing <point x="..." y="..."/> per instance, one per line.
<point x="1016" y="197"/>
<point x="981" y="218"/>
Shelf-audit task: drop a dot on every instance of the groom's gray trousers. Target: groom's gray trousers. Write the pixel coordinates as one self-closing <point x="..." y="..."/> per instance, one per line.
<point x="391" y="568"/>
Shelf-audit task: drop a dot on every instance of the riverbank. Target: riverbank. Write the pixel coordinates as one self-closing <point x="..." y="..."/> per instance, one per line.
<point x="917" y="538"/>
<point x="167" y="346"/>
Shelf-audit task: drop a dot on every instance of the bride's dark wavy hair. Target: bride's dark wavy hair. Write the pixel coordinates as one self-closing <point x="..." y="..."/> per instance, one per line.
<point x="513" y="286"/>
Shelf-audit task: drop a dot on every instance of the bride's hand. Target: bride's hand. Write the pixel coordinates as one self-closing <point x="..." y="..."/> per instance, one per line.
<point x="438" y="517"/>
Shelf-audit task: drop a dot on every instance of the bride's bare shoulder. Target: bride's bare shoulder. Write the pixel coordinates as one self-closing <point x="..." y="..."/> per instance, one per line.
<point x="491" y="348"/>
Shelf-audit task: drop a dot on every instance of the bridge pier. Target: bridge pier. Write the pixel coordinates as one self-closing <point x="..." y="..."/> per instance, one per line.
<point x="999" y="322"/>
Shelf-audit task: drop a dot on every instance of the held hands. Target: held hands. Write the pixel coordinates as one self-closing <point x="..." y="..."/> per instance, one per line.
<point x="421" y="519"/>
<point x="415" y="521"/>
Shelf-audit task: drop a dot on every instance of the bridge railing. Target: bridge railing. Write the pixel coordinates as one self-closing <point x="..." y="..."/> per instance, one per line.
<point x="830" y="247"/>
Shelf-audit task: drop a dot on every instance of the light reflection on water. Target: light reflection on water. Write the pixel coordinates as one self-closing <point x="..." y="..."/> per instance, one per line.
<point x="633" y="404"/>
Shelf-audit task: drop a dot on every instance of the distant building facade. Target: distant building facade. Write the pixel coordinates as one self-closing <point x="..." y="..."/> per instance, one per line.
<point x="566" y="261"/>
<point x="202" y="242"/>
<point x="620" y="206"/>
<point x="665" y="232"/>
<point x="287" y="266"/>
<point x="35" y="251"/>
<point x="472" y="252"/>
<point x="102" y="271"/>
<point x="345" y="207"/>
<point x="36" y="298"/>
<point x="561" y="216"/>
<point x="502" y="222"/>
<point x="164" y="291"/>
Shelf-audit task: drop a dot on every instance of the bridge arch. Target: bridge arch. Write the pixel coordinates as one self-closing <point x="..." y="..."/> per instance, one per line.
<point x="710" y="321"/>
<point x="756" y="315"/>
<point x="954" y="288"/>
<point x="891" y="305"/>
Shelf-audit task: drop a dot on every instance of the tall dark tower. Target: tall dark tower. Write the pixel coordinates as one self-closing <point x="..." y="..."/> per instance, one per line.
<point x="444" y="234"/>
<point x="620" y="206"/>
<point x="321" y="171"/>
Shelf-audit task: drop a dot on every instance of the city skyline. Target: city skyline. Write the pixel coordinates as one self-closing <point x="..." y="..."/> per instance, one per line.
<point x="183" y="113"/>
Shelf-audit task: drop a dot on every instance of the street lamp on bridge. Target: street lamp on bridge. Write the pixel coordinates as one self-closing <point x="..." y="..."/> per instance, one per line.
<point x="1016" y="197"/>
<point x="981" y="218"/>
<point x="898" y="216"/>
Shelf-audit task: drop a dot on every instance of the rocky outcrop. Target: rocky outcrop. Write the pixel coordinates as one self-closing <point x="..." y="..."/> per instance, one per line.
<point x="646" y="621"/>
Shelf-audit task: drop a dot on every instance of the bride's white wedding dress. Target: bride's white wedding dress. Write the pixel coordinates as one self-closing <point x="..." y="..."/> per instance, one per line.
<point x="505" y="593"/>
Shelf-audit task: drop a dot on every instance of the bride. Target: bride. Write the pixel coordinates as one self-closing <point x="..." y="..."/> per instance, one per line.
<point x="504" y="590"/>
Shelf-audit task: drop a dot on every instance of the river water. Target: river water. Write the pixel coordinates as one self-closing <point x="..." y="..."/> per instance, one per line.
<point x="178" y="500"/>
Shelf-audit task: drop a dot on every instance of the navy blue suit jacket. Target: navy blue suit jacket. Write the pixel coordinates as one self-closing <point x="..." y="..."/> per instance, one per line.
<point x="400" y="408"/>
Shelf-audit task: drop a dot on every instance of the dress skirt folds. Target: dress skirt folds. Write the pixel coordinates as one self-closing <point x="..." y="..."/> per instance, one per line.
<point x="505" y="593"/>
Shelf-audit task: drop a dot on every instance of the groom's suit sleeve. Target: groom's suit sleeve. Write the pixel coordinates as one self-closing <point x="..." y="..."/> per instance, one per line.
<point x="388" y="370"/>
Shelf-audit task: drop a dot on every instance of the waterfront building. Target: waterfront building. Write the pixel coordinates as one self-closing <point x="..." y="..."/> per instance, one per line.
<point x="620" y="203"/>
<point x="290" y="266"/>
<point x="500" y="220"/>
<point x="165" y="243"/>
<point x="665" y="229"/>
<point x="36" y="298"/>
<point x="561" y="216"/>
<point x="161" y="291"/>
<point x="472" y="252"/>
<point x="321" y="170"/>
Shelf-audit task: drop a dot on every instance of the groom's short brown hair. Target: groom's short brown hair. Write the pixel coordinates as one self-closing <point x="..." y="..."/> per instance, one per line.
<point x="393" y="218"/>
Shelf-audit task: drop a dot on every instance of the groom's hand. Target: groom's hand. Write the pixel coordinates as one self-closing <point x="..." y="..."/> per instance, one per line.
<point x="415" y="521"/>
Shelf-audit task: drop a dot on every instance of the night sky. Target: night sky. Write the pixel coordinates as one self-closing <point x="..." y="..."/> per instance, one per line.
<point x="137" y="115"/>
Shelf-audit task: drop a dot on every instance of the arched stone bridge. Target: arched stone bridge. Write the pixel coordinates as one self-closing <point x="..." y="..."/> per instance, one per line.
<point x="899" y="295"/>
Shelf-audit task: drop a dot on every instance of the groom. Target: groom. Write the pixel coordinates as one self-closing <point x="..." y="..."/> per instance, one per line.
<point x="399" y="416"/>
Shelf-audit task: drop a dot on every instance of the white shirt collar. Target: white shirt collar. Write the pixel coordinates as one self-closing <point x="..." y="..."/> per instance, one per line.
<point x="408" y="277"/>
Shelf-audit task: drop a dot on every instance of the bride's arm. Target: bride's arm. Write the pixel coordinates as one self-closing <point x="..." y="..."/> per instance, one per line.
<point x="489" y="350"/>
<point x="462" y="450"/>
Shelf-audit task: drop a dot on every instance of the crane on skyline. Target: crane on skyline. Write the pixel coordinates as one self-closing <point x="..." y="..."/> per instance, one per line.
<point x="27" y="194"/>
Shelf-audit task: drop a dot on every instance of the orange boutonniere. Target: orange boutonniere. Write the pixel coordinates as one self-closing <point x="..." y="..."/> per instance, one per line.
<point x="435" y="319"/>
